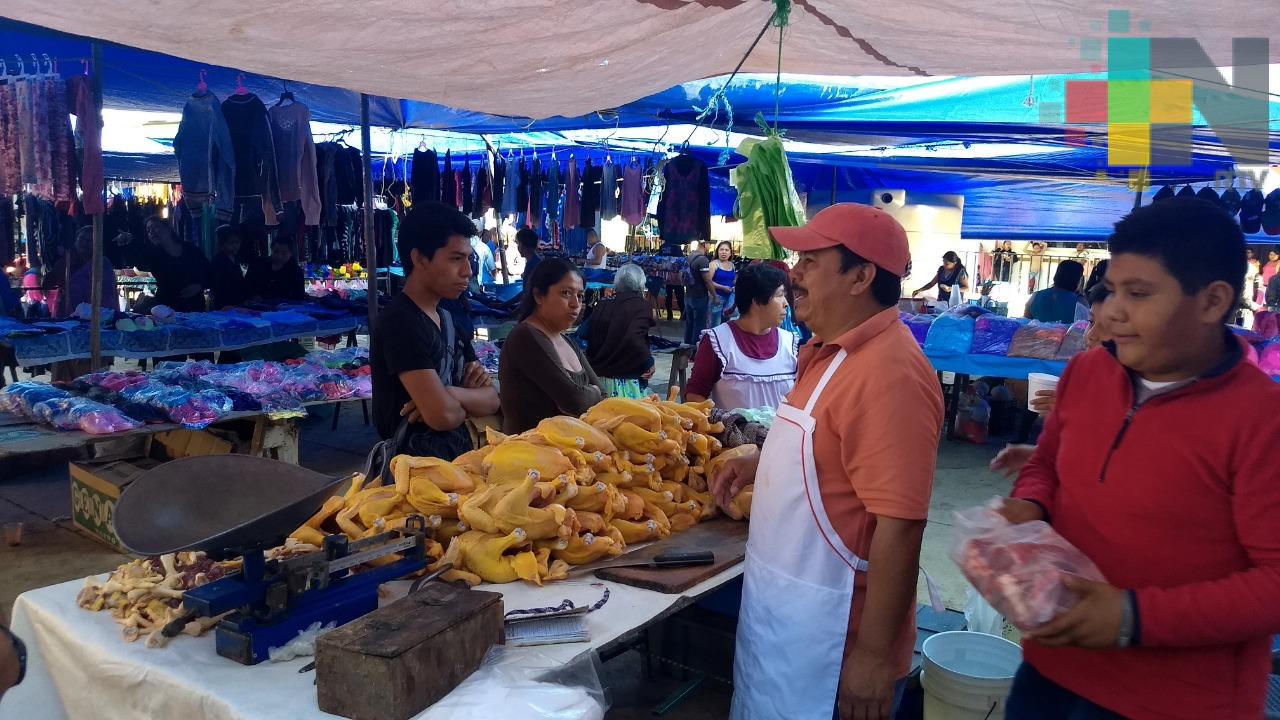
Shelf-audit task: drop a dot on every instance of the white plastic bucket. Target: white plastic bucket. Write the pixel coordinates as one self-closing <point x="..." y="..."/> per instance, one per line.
<point x="967" y="675"/>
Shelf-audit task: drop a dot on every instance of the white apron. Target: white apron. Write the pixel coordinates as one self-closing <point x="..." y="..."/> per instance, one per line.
<point x="746" y="382"/>
<point x="798" y="582"/>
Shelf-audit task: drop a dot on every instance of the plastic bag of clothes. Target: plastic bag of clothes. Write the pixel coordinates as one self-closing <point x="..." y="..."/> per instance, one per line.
<point x="1038" y="340"/>
<point x="950" y="334"/>
<point x="919" y="326"/>
<point x="1073" y="343"/>
<point x="20" y="397"/>
<point x="191" y="409"/>
<point x="1019" y="569"/>
<point x="973" y="416"/>
<point x="77" y="413"/>
<point x="992" y="335"/>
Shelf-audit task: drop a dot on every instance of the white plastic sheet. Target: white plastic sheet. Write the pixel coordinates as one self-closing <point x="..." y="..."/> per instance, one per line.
<point x="541" y="58"/>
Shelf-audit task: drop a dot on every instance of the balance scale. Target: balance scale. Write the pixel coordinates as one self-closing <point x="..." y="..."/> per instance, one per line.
<point x="241" y="506"/>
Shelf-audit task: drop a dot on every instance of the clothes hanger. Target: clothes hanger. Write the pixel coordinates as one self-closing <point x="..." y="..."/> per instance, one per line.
<point x="285" y="95"/>
<point x="202" y="88"/>
<point x="240" y="88"/>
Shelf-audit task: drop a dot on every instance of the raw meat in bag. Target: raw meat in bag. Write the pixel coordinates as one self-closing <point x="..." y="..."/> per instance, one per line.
<point x="1019" y="569"/>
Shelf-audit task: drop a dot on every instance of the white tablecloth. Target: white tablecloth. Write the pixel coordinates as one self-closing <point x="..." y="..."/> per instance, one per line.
<point x="79" y="667"/>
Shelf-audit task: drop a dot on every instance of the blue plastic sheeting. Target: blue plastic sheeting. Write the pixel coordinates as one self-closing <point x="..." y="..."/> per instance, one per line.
<point x="995" y="366"/>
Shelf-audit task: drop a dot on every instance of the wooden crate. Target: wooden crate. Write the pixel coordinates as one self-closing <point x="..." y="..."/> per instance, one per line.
<point x="398" y="660"/>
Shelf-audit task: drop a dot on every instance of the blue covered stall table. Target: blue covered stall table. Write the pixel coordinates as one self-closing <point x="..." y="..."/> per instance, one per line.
<point x="133" y="336"/>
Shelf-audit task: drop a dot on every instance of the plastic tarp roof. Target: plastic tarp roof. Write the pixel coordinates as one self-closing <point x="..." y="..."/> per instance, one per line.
<point x="541" y="58"/>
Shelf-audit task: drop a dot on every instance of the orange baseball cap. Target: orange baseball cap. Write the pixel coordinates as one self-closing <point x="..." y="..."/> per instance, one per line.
<point x="869" y="232"/>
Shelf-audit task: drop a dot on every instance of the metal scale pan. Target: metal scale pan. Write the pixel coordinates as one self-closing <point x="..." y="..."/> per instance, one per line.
<point x="218" y="503"/>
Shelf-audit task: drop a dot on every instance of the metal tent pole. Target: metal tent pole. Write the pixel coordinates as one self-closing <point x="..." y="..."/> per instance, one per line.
<point x="370" y="249"/>
<point x="95" y="283"/>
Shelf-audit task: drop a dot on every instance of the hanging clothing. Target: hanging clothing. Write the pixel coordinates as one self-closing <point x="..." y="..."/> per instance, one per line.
<point x="424" y="177"/>
<point x="536" y="181"/>
<point x="254" y="149"/>
<point x="522" y="189"/>
<point x="89" y="144"/>
<point x="571" y="199"/>
<point x="684" y="213"/>
<point x="551" y="192"/>
<point x="510" y="199"/>
<point x="608" y="191"/>
<point x="466" y="199"/>
<point x="459" y="195"/>
<point x="62" y="146"/>
<point x="205" y="154"/>
<point x="499" y="182"/>
<point x="633" y="198"/>
<point x="296" y="158"/>
<point x="591" y="177"/>
<point x="481" y="192"/>
<point x="26" y="133"/>
<point x="448" y="182"/>
<point x="10" y="160"/>
<point x="766" y="198"/>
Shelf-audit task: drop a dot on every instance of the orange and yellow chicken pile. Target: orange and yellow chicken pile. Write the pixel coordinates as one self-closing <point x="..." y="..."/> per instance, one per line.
<point x="569" y="492"/>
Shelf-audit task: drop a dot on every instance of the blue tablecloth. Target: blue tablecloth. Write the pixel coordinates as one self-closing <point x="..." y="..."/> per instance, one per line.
<point x="1013" y="368"/>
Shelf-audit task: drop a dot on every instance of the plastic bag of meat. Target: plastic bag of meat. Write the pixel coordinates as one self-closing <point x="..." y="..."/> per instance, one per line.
<point x="1018" y="568"/>
<point x="1038" y="340"/>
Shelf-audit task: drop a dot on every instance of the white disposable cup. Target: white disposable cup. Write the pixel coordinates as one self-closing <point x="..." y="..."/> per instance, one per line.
<point x="1037" y="382"/>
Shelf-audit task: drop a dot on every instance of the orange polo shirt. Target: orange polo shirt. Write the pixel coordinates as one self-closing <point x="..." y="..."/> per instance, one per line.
<point x="875" y="442"/>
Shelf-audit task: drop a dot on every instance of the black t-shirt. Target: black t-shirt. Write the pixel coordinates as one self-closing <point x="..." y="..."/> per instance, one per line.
<point x="271" y="284"/>
<point x="406" y="339"/>
<point x="698" y="265"/>
<point x="174" y="274"/>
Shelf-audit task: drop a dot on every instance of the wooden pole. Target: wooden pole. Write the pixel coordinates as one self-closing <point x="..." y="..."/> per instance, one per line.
<point x="95" y="283"/>
<point x="370" y="248"/>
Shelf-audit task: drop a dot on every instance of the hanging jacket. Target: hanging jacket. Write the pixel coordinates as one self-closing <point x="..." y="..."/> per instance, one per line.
<point x="591" y="175"/>
<point x="296" y="158"/>
<point x="536" y="180"/>
<point x="499" y="183"/>
<point x="206" y="156"/>
<point x="481" y="191"/>
<point x="448" y="182"/>
<point x="510" y="201"/>
<point x="424" y="178"/>
<point x="551" y="189"/>
<point x="254" y="151"/>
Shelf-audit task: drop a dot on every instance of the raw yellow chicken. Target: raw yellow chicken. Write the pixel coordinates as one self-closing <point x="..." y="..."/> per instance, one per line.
<point x="582" y="549"/>
<point x="447" y="476"/>
<point x="483" y="554"/>
<point x="612" y="412"/>
<point x="570" y="491"/>
<point x="517" y="460"/>
<point x="569" y="433"/>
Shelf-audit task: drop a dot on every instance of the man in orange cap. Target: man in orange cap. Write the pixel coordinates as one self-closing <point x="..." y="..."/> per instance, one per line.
<point x="842" y="487"/>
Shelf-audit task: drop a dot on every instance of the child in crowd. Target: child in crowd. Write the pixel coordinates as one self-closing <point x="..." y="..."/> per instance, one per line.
<point x="1157" y="463"/>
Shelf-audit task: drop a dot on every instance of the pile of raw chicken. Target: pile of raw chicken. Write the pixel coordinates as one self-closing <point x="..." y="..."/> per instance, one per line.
<point x="524" y="507"/>
<point x="568" y="492"/>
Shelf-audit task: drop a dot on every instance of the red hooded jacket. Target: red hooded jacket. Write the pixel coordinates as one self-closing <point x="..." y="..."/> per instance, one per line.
<point x="1178" y="501"/>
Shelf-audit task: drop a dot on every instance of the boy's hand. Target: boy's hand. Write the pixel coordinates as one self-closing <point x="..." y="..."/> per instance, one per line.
<point x="1093" y="623"/>
<point x="1012" y="459"/>
<point x="1044" y="401"/>
<point x="1020" y="511"/>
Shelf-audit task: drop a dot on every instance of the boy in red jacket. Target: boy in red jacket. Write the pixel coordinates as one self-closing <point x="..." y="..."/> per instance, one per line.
<point x="1157" y="462"/>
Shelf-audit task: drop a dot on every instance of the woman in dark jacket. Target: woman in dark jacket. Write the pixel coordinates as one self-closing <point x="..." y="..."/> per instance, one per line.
<point x="618" y="336"/>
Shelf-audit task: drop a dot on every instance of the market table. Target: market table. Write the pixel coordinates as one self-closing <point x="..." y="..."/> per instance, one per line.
<point x="999" y="366"/>
<point x="21" y="436"/>
<point x="78" y="664"/>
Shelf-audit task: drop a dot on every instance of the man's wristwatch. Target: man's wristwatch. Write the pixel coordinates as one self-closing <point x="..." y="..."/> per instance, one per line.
<point x="20" y="650"/>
